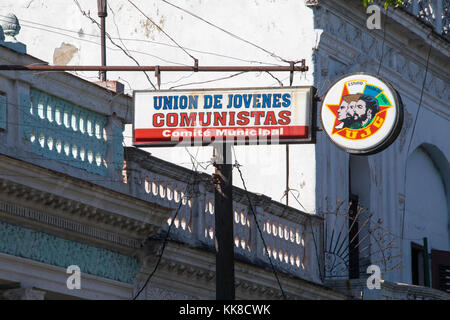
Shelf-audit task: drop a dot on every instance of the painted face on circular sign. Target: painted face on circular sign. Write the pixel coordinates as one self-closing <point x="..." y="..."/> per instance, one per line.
<point x="361" y="113"/>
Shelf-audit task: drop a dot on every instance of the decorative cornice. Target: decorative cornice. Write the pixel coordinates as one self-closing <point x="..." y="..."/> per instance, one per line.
<point x="66" y="224"/>
<point x="63" y="214"/>
<point x="361" y="51"/>
<point x="182" y="266"/>
<point x="49" y="249"/>
<point x="244" y="286"/>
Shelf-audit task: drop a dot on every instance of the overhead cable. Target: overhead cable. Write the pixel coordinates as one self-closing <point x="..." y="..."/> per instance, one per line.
<point x="162" y="30"/>
<point x="228" y="32"/>
<point x="112" y="41"/>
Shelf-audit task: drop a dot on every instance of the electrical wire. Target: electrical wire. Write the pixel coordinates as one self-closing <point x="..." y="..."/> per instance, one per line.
<point x="237" y="166"/>
<point x="162" y="30"/>
<point x="166" y="237"/>
<point x="208" y="81"/>
<point x="112" y="41"/>
<point x="421" y="98"/>
<point x="117" y="27"/>
<point x="179" y="79"/>
<point x="413" y="131"/>
<point x="278" y="80"/>
<point x="98" y="44"/>
<point x="135" y="40"/>
<point x="228" y="32"/>
<point x="382" y="44"/>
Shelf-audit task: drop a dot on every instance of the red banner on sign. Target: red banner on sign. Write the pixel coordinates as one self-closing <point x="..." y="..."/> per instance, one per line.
<point x="212" y="133"/>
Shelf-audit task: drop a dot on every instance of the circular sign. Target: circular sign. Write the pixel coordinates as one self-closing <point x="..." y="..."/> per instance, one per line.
<point x="361" y="113"/>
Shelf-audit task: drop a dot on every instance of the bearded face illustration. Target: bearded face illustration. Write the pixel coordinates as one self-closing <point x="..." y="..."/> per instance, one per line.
<point x="356" y="111"/>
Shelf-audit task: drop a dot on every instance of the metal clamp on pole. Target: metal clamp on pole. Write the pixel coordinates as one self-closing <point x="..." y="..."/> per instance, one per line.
<point x="291" y="76"/>
<point x="195" y="65"/>
<point x="158" y="76"/>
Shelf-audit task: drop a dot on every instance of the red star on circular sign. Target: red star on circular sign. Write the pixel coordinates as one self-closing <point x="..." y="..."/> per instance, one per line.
<point x="334" y="109"/>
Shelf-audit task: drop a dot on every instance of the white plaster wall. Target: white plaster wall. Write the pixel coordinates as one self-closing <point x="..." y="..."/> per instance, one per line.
<point x="283" y="27"/>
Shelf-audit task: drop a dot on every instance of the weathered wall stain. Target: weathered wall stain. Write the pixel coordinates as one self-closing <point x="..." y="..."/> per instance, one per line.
<point x="148" y="27"/>
<point x="63" y="54"/>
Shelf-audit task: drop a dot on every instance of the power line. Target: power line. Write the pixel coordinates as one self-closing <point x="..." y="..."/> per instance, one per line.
<point x="117" y="27"/>
<point x="421" y="97"/>
<point x="98" y="44"/>
<point x="237" y="166"/>
<point x="278" y="80"/>
<point x="227" y="32"/>
<point x="160" y="29"/>
<point x="382" y="44"/>
<point x="208" y="81"/>
<point x="413" y="130"/>
<point x="181" y="78"/>
<point x="166" y="237"/>
<point x="135" y="40"/>
<point x="112" y="41"/>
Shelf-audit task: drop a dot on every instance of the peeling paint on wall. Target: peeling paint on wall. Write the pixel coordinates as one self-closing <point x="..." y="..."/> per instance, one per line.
<point x="64" y="54"/>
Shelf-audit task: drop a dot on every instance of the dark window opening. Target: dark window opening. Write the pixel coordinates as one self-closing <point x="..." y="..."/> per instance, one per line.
<point x="417" y="270"/>
<point x="440" y="262"/>
<point x="353" y="238"/>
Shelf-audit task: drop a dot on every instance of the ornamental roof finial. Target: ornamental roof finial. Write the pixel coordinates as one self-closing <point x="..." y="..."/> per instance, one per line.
<point x="11" y="27"/>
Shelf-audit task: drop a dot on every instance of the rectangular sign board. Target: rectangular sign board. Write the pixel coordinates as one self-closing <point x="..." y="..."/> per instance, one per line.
<point x="198" y="117"/>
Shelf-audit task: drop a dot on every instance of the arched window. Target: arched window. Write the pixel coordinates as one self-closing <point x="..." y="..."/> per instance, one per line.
<point x="426" y="206"/>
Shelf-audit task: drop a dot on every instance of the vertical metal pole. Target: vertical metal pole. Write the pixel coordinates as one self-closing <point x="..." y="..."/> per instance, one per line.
<point x="287" y="174"/>
<point x="102" y="13"/>
<point x="291" y="80"/>
<point x="426" y="263"/>
<point x="223" y="211"/>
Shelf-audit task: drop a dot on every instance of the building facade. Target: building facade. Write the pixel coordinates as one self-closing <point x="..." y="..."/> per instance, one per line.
<point x="404" y="190"/>
<point x="73" y="194"/>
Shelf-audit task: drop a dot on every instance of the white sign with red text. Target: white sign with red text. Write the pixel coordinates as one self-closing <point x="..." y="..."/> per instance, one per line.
<point x="262" y="115"/>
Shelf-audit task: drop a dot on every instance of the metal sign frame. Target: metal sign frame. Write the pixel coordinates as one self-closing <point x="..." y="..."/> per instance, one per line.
<point x="236" y="141"/>
<point x="393" y="134"/>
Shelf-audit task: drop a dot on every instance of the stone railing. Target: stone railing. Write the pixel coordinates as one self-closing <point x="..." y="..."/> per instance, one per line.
<point x="290" y="235"/>
<point x="63" y="131"/>
<point x="64" y="123"/>
<point x="433" y="12"/>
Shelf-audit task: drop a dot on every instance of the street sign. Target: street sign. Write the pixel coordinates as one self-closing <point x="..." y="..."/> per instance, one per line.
<point x="198" y="117"/>
<point x="362" y="113"/>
